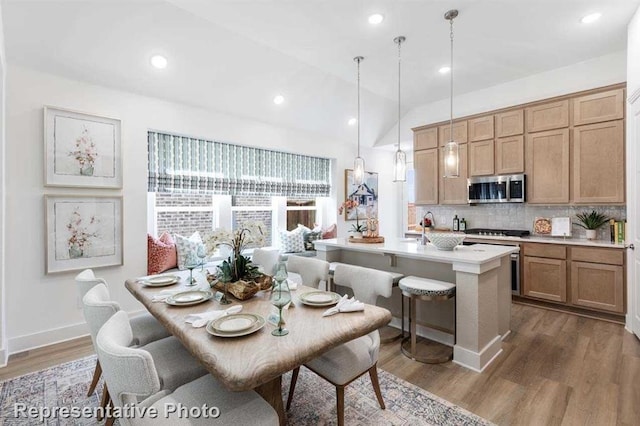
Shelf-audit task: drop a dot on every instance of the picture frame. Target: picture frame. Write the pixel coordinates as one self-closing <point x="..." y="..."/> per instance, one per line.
<point x="366" y="194"/>
<point x="82" y="232"/>
<point x="81" y="150"/>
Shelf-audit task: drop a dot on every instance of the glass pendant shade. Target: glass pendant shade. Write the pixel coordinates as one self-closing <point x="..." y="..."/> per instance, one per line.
<point x="400" y="166"/>
<point x="358" y="171"/>
<point x="451" y="160"/>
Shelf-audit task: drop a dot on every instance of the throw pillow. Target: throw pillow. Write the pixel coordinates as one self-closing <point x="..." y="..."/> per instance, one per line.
<point x="187" y="248"/>
<point x="330" y="232"/>
<point x="292" y="242"/>
<point x="161" y="254"/>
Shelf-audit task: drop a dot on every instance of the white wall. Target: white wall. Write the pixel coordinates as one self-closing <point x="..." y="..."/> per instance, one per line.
<point x="3" y="323"/>
<point x="44" y="308"/>
<point x="597" y="72"/>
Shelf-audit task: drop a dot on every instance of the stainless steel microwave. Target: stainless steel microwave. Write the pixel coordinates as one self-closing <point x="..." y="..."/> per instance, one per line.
<point x="497" y="189"/>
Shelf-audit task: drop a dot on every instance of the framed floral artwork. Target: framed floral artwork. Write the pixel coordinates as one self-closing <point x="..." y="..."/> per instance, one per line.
<point x="365" y="196"/>
<point x="81" y="150"/>
<point x="83" y="232"/>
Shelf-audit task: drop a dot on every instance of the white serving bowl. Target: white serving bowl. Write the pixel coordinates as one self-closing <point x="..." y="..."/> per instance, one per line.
<point x="445" y="240"/>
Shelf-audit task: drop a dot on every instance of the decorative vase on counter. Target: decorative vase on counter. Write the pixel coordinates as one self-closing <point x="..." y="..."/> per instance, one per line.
<point x="591" y="234"/>
<point x="356" y="234"/>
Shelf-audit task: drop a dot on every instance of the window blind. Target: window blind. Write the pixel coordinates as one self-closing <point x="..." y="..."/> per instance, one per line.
<point x="179" y="163"/>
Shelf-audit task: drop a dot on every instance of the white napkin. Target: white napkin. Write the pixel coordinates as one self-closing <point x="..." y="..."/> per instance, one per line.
<point x="345" y="305"/>
<point x="200" y="320"/>
<point x="292" y="284"/>
<point x="163" y="295"/>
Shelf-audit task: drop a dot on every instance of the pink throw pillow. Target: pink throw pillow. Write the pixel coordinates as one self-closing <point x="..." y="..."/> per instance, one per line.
<point x="161" y="254"/>
<point x="330" y="232"/>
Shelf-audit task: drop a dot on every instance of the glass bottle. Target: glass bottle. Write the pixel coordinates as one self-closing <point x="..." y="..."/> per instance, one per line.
<point x="456" y="224"/>
<point x="463" y="225"/>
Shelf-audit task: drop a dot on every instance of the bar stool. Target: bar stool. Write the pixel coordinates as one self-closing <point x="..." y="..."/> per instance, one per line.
<point x="417" y="288"/>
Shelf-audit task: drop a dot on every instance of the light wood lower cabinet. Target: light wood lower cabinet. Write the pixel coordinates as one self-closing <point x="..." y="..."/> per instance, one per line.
<point x="426" y="182"/>
<point x="598" y="286"/>
<point x="545" y="278"/>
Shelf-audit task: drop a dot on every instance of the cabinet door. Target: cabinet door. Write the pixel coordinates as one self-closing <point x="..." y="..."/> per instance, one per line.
<point x="598" y="286"/>
<point x="547" y="167"/>
<point x="598" y="163"/>
<point x="605" y="106"/>
<point x="426" y="175"/>
<point x="510" y="123"/>
<point x="509" y="155"/>
<point x="459" y="133"/>
<point x="545" y="278"/>
<point x="455" y="190"/>
<point x="425" y="138"/>
<point x="481" y="158"/>
<point x="549" y="116"/>
<point x="480" y="129"/>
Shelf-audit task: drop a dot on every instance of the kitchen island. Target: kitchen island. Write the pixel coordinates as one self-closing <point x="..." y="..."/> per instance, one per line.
<point x="482" y="275"/>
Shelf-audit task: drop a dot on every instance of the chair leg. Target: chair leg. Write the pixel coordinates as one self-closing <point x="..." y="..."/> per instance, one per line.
<point x="96" y="377"/>
<point x="292" y="386"/>
<point x="340" y="400"/>
<point x="110" y="419"/>
<point x="373" y="374"/>
<point x="106" y="398"/>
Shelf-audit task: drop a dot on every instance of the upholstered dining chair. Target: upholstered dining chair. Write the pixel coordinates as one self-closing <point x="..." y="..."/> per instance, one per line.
<point x="146" y="328"/>
<point x="133" y="377"/>
<point x="175" y="365"/>
<point x="345" y="363"/>
<point x="267" y="258"/>
<point x="311" y="271"/>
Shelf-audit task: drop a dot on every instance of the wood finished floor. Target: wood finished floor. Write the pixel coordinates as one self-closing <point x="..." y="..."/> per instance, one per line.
<point x="555" y="369"/>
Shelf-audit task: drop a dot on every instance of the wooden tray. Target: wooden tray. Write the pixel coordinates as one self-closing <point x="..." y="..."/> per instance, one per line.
<point x="366" y="240"/>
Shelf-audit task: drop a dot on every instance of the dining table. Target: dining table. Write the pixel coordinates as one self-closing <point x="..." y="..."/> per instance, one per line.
<point x="258" y="360"/>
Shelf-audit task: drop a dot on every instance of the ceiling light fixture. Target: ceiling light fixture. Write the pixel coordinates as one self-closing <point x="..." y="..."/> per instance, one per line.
<point x="444" y="70"/>
<point x="159" y="62"/>
<point x="278" y="99"/>
<point x="352" y="121"/>
<point x="358" y="163"/>
<point x="593" y="17"/>
<point x="400" y="158"/>
<point x="376" y="19"/>
<point x="451" y="154"/>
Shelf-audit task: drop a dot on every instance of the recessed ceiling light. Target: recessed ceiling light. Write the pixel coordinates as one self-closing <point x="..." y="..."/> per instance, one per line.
<point x="444" y="70"/>
<point x="159" y="61"/>
<point x="593" y="17"/>
<point x="278" y="99"/>
<point x="352" y="121"/>
<point x="376" y="18"/>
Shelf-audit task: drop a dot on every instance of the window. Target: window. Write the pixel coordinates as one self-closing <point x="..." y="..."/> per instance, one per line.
<point x="301" y="211"/>
<point x="253" y="208"/>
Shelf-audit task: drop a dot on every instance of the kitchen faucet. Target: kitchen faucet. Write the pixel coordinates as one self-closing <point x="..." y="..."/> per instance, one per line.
<point x="423" y="241"/>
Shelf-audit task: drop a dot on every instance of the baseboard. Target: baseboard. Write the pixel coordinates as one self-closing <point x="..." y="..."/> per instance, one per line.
<point x="46" y="338"/>
<point x="4" y="357"/>
<point x="478" y="361"/>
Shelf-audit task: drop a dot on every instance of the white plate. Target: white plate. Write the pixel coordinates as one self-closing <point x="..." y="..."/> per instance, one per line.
<point x="234" y="323"/>
<point x="160" y="281"/>
<point x="319" y="298"/>
<point x="258" y="324"/>
<point x="188" y="298"/>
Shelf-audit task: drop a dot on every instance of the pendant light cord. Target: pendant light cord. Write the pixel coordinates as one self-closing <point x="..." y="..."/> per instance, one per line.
<point x="399" y="92"/>
<point x="358" y="60"/>
<point x="451" y="79"/>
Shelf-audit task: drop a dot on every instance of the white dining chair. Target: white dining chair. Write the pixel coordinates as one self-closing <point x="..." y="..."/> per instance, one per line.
<point x="266" y="258"/>
<point x="345" y="363"/>
<point x="311" y="271"/>
<point x="146" y="328"/>
<point x="133" y="377"/>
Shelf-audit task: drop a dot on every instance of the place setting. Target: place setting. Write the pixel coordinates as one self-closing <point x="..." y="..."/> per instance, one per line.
<point x="319" y="298"/>
<point x="159" y="280"/>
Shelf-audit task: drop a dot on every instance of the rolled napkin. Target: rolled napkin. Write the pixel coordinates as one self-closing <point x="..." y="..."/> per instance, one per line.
<point x="345" y="305"/>
<point x="292" y="284"/>
<point x="200" y="320"/>
<point x="163" y="295"/>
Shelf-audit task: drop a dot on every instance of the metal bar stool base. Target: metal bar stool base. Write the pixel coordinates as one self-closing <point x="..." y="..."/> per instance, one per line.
<point x="427" y="351"/>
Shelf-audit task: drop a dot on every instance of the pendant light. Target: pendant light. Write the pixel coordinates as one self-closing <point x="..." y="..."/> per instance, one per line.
<point x="400" y="158"/>
<point x="451" y="154"/>
<point x="358" y="164"/>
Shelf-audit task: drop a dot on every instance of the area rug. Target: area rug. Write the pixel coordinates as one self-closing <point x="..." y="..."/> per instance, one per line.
<point x="65" y="385"/>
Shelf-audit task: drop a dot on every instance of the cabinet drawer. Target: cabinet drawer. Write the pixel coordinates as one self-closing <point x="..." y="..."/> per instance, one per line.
<point x="552" y="251"/>
<point x="597" y="255"/>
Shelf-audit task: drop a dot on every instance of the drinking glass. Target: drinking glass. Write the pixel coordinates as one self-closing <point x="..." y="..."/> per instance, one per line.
<point x="191" y="266"/>
<point x="202" y="254"/>
<point x="280" y="274"/>
<point x="279" y="298"/>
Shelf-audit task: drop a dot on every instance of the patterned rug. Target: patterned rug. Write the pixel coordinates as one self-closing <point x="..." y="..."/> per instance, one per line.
<point x="65" y="385"/>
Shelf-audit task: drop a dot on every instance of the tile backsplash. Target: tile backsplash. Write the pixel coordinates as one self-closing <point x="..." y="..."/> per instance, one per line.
<point x="518" y="216"/>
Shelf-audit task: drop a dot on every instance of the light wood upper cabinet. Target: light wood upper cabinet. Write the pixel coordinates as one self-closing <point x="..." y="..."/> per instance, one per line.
<point x="596" y="285"/>
<point x="459" y="133"/>
<point x="425" y="138"/>
<point x="480" y="129"/>
<point x="425" y="164"/>
<point x="509" y="155"/>
<point x="481" y="158"/>
<point x="553" y="115"/>
<point x="545" y="278"/>
<point x="598" y="163"/>
<point x="605" y="106"/>
<point x="454" y="190"/>
<point x="510" y="123"/>
<point x="547" y="167"/>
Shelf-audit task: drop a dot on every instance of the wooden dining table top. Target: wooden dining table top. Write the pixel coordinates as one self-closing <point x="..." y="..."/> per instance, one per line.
<point x="246" y="362"/>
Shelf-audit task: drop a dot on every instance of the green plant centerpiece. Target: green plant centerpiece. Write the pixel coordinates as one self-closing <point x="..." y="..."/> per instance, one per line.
<point x="237" y="273"/>
<point x="591" y="221"/>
